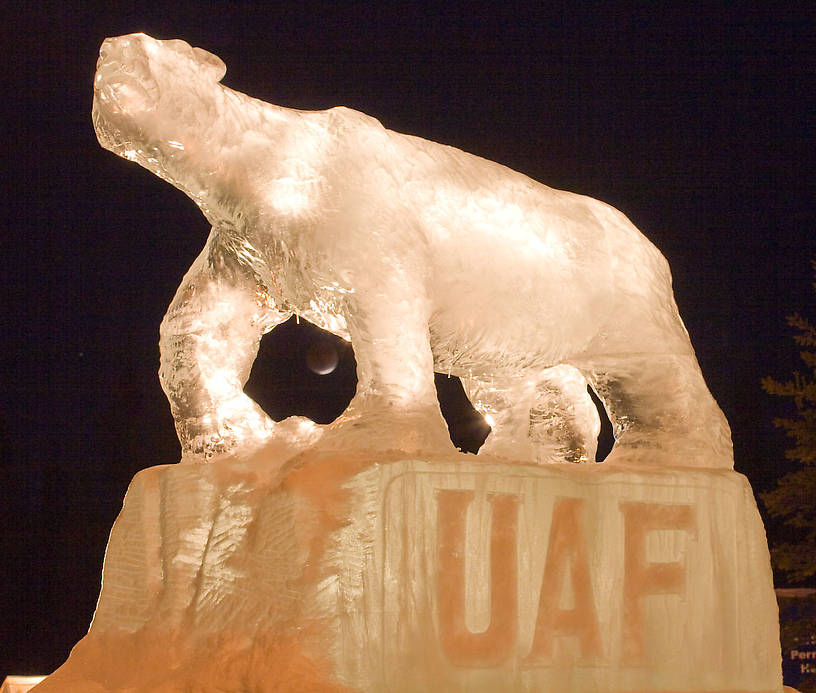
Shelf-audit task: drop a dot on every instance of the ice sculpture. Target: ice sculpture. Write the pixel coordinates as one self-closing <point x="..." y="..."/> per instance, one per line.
<point x="360" y="564"/>
<point x="426" y="257"/>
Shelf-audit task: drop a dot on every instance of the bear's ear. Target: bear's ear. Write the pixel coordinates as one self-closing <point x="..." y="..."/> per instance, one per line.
<point x="211" y="62"/>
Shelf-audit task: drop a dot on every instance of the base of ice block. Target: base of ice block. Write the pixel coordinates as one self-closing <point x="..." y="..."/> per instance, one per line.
<point x="376" y="572"/>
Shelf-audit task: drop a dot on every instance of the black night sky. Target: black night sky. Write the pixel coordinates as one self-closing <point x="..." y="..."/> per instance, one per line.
<point x="694" y="119"/>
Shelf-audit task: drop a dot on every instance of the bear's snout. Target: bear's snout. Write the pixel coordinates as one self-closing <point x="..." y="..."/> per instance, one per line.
<point x="123" y="83"/>
<point x="121" y="49"/>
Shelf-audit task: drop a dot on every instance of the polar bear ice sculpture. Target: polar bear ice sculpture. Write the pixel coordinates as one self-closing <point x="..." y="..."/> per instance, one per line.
<point x="426" y="257"/>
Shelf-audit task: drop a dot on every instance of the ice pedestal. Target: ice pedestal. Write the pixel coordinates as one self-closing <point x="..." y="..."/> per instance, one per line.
<point x="380" y="573"/>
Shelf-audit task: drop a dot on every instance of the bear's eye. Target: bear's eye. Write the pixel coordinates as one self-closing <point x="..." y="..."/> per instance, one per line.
<point x="179" y="46"/>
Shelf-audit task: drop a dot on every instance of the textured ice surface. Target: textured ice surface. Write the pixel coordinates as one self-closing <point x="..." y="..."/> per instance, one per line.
<point x="356" y="572"/>
<point x="346" y="566"/>
<point x="426" y="257"/>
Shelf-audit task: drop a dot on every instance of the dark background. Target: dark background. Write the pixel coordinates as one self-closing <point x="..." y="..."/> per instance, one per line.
<point x="697" y="123"/>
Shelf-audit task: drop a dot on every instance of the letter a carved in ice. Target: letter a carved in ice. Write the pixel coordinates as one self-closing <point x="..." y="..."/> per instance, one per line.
<point x="425" y="257"/>
<point x="567" y="548"/>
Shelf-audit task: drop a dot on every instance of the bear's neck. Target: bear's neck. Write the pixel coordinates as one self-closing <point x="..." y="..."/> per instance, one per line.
<point x="223" y="152"/>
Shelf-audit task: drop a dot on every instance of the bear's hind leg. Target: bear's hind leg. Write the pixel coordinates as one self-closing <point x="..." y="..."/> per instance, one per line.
<point x="542" y="418"/>
<point x="564" y="422"/>
<point x="661" y="410"/>
<point x="505" y="405"/>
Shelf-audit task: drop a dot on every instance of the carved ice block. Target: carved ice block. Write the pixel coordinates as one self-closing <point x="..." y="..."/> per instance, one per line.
<point x="457" y="574"/>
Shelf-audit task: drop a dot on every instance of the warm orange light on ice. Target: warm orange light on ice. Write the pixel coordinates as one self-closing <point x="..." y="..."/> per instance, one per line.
<point x="20" y="684"/>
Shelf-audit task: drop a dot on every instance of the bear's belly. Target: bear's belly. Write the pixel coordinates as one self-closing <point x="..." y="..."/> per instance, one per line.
<point x="499" y="326"/>
<point x="489" y="343"/>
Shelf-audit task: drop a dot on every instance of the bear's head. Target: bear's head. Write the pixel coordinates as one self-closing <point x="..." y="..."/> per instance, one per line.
<point x="151" y="95"/>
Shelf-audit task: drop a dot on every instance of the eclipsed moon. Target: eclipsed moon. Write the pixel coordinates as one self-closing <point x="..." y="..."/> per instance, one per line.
<point x="322" y="357"/>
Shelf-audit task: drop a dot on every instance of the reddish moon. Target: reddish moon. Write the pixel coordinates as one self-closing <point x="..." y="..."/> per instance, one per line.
<point x="322" y="357"/>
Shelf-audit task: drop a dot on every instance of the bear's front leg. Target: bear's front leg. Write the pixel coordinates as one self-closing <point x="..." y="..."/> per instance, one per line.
<point x="395" y="406"/>
<point x="209" y="340"/>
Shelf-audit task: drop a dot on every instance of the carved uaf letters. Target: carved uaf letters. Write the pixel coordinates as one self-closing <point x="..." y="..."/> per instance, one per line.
<point x="567" y="565"/>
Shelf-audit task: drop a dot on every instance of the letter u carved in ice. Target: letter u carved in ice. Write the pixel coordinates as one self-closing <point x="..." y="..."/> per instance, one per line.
<point x="494" y="645"/>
